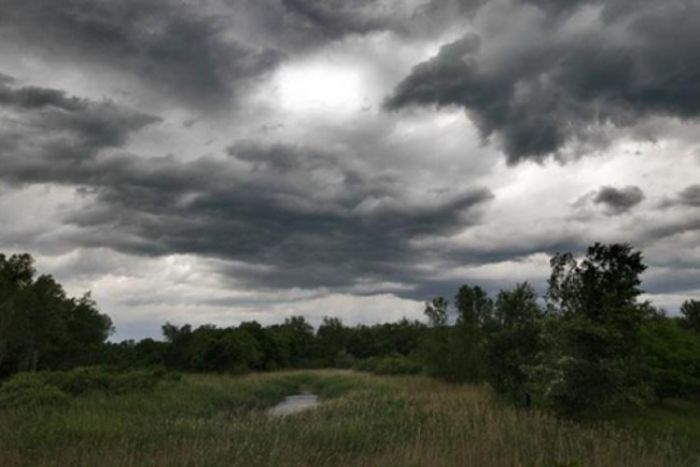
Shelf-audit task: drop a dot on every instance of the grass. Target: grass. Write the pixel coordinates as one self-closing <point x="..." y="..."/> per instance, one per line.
<point x="675" y="418"/>
<point x="366" y="420"/>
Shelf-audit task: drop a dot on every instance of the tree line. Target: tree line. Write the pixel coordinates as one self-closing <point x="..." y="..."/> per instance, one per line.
<point x="40" y="326"/>
<point x="590" y="343"/>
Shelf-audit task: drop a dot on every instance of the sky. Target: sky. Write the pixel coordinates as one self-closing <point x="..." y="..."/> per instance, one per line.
<point x="219" y="161"/>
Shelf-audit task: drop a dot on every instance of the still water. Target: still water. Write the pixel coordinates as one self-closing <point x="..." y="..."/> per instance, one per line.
<point x="294" y="404"/>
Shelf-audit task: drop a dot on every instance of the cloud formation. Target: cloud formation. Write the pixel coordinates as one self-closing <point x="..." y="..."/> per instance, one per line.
<point x="555" y="82"/>
<point x="298" y="216"/>
<point x="177" y="49"/>
<point x="690" y="196"/>
<point x="234" y="155"/>
<point x="619" y="200"/>
<point x="47" y="136"/>
<point x="331" y="19"/>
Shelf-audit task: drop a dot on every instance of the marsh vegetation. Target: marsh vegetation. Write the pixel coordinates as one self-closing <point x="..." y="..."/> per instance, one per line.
<point x="364" y="420"/>
<point x="588" y="375"/>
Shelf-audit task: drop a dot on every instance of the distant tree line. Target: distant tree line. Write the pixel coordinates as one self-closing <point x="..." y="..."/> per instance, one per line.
<point x="251" y="346"/>
<point x="590" y="343"/>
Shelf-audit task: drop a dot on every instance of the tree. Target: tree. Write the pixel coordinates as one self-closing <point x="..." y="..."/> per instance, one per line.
<point x="86" y="329"/>
<point x="301" y="340"/>
<point x="331" y="339"/>
<point x="691" y="314"/>
<point x="468" y="336"/>
<point x="514" y="341"/>
<point x="41" y="327"/>
<point x="594" y="357"/>
<point x="672" y="357"/>
<point x="16" y="274"/>
<point x="179" y="339"/>
<point x="436" y="311"/>
<point x="474" y="307"/>
<point x="437" y="349"/>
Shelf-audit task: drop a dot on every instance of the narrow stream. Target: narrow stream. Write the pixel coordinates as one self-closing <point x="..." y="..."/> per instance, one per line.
<point x="294" y="404"/>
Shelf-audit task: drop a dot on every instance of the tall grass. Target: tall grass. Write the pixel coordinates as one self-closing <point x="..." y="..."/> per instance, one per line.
<point x="365" y="420"/>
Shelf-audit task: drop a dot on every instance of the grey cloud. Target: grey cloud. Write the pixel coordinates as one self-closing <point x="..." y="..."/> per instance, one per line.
<point x="678" y="280"/>
<point x="298" y="231"/>
<point x="294" y="216"/>
<point x="174" y="47"/>
<point x="619" y="200"/>
<point x="336" y="18"/>
<point x="300" y="25"/>
<point x="637" y="63"/>
<point x="48" y="133"/>
<point x="35" y="98"/>
<point x="6" y="79"/>
<point x="690" y="196"/>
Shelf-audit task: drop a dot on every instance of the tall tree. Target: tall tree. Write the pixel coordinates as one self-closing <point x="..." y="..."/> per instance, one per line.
<point x="514" y="342"/>
<point x="468" y="336"/>
<point x="437" y="348"/>
<point x="40" y="326"/>
<point x="691" y="314"/>
<point x="594" y="356"/>
<point x="331" y="339"/>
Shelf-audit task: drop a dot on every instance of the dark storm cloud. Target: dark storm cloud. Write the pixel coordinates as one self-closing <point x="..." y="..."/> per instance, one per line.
<point x="173" y="46"/>
<point x="336" y="18"/>
<point x="313" y="224"/>
<point x="690" y="196"/>
<point x="6" y="79"/>
<point x="537" y="94"/>
<point x="285" y="215"/>
<point x="619" y="200"/>
<point x="297" y="26"/>
<point x="44" y="133"/>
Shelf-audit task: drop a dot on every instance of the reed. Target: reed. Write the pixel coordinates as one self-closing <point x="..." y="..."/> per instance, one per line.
<point x="366" y="420"/>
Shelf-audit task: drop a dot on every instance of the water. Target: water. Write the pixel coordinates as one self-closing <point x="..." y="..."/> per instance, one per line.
<point x="294" y="404"/>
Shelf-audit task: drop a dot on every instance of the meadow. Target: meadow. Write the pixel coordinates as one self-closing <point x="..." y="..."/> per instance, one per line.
<point x="221" y="420"/>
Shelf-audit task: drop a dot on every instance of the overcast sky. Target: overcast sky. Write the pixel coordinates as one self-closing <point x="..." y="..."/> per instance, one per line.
<point x="213" y="161"/>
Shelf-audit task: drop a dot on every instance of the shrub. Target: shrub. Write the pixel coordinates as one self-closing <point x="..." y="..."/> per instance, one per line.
<point x="90" y="379"/>
<point x="392" y="364"/>
<point x="25" y="389"/>
<point x="344" y="360"/>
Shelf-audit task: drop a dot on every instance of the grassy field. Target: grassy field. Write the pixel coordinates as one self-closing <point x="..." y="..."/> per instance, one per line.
<point x="677" y="418"/>
<point x="365" y="420"/>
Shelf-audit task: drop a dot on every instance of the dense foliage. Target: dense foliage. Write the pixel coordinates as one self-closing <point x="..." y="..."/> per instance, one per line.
<point x="589" y="344"/>
<point x="364" y="420"/>
<point x="41" y="327"/>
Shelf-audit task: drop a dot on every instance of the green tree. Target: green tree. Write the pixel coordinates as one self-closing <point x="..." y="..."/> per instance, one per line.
<point x="86" y="330"/>
<point x="468" y="336"/>
<point x="691" y="314"/>
<point x="331" y="339"/>
<point x="301" y="340"/>
<point x="474" y="307"/>
<point x="594" y="355"/>
<point x="437" y="348"/>
<point x="40" y="327"/>
<point x="437" y="312"/>
<point x="16" y="274"/>
<point x="514" y="342"/>
<point x="672" y="356"/>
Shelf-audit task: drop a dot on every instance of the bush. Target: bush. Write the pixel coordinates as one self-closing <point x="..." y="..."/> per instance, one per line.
<point x="392" y="364"/>
<point x="88" y="379"/>
<point x="25" y="389"/>
<point x="344" y="360"/>
<point x="50" y="387"/>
